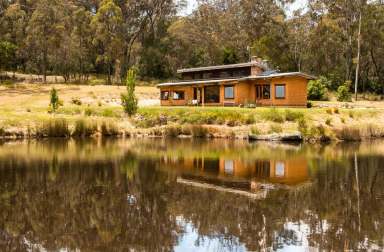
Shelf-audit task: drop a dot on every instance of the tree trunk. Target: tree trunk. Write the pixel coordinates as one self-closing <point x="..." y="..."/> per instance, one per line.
<point x="358" y="56"/>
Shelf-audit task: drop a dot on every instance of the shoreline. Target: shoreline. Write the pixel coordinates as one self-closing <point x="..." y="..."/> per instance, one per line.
<point x="61" y="129"/>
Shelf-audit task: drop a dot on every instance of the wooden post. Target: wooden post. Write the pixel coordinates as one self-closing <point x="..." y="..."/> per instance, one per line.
<point x="202" y="96"/>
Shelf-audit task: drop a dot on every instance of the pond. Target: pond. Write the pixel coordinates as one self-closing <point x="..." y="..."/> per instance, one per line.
<point x="190" y="195"/>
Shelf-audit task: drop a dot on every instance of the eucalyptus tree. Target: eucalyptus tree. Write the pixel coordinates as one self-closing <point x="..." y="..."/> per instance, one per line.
<point x="107" y="26"/>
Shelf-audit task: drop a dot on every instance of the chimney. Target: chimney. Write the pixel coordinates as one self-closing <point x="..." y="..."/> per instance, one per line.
<point x="256" y="69"/>
<point x="256" y="59"/>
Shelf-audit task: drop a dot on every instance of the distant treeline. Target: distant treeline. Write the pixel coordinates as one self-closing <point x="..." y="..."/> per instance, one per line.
<point x="76" y="38"/>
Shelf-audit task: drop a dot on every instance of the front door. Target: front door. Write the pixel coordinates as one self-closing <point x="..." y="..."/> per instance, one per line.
<point x="263" y="92"/>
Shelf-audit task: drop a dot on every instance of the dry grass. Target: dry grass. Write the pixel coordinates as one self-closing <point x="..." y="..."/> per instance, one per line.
<point x="25" y="108"/>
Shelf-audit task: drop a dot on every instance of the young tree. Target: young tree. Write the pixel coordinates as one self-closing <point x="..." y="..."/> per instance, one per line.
<point x="54" y="100"/>
<point x="129" y="100"/>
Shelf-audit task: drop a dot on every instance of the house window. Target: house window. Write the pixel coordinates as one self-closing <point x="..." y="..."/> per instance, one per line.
<point x="280" y="169"/>
<point x="280" y="91"/>
<point x="212" y="94"/>
<point x="229" y="92"/>
<point x="263" y="92"/>
<point x="178" y="95"/>
<point x="164" y="95"/>
<point x="229" y="167"/>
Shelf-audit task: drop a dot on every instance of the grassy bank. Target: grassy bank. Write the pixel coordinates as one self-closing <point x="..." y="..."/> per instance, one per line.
<point x="94" y="111"/>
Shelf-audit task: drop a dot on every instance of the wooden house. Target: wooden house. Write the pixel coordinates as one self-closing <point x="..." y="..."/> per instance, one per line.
<point x="235" y="85"/>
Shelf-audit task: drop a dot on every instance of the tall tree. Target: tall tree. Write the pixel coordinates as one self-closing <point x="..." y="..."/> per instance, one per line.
<point x="43" y="33"/>
<point x="107" y="25"/>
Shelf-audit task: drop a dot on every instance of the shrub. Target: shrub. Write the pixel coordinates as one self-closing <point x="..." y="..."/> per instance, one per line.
<point x="291" y="115"/>
<point x="349" y="134"/>
<point x="275" y="128"/>
<point x="109" y="129"/>
<point x="76" y="101"/>
<point x="172" y="131"/>
<point x="94" y="82"/>
<point x="302" y="126"/>
<point x="317" y="89"/>
<point x="54" y="128"/>
<point x="109" y="112"/>
<point x="309" y="104"/>
<point x="89" y="111"/>
<point x="129" y="100"/>
<point x="255" y="131"/>
<point x="328" y="121"/>
<point x="343" y="93"/>
<point x="195" y="131"/>
<point x="84" y="128"/>
<point x="54" y="100"/>
<point x="273" y="115"/>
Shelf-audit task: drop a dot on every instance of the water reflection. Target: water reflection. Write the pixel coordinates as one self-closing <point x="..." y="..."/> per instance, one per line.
<point x="154" y="195"/>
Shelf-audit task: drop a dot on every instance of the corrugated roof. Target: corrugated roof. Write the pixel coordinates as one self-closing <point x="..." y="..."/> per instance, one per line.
<point x="181" y="83"/>
<point x="199" y="69"/>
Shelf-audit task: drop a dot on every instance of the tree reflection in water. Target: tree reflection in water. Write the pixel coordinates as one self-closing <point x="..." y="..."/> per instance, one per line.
<point x="120" y="195"/>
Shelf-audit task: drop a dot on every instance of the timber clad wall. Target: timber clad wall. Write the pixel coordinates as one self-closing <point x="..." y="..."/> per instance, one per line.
<point x="245" y="93"/>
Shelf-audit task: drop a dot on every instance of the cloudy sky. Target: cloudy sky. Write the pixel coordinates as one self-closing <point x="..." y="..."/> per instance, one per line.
<point x="192" y="5"/>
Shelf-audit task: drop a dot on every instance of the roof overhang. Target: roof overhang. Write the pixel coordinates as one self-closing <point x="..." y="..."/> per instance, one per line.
<point x="196" y="82"/>
<point x="209" y="68"/>
<point x="279" y="75"/>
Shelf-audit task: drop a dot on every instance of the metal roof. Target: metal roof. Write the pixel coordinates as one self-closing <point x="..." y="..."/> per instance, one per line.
<point x="256" y="77"/>
<point x="276" y="75"/>
<point x="199" y="69"/>
<point x="181" y="83"/>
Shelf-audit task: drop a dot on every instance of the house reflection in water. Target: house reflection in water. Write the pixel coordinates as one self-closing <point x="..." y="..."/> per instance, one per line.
<point x="242" y="174"/>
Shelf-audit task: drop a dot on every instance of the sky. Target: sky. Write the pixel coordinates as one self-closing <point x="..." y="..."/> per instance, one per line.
<point x="296" y="5"/>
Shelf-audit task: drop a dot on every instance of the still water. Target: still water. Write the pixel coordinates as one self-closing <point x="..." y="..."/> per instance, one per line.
<point x="188" y="195"/>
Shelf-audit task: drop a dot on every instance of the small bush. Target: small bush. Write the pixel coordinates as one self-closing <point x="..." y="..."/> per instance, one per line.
<point x="275" y="128"/>
<point x="109" y="129"/>
<point x="292" y="116"/>
<point x="343" y="94"/>
<point x="302" y="126"/>
<point x="342" y="120"/>
<point x="89" y="111"/>
<point x="255" y="131"/>
<point x="329" y="111"/>
<point x="109" y="112"/>
<point x="76" y="101"/>
<point x="84" y="128"/>
<point x="7" y="83"/>
<point x="54" y="128"/>
<point x="172" y="131"/>
<point x="249" y="119"/>
<point x="348" y="134"/>
<point x="197" y="131"/>
<point x="309" y="104"/>
<point x="328" y="121"/>
<point x="273" y="115"/>
<point x="317" y="89"/>
<point x="95" y="82"/>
